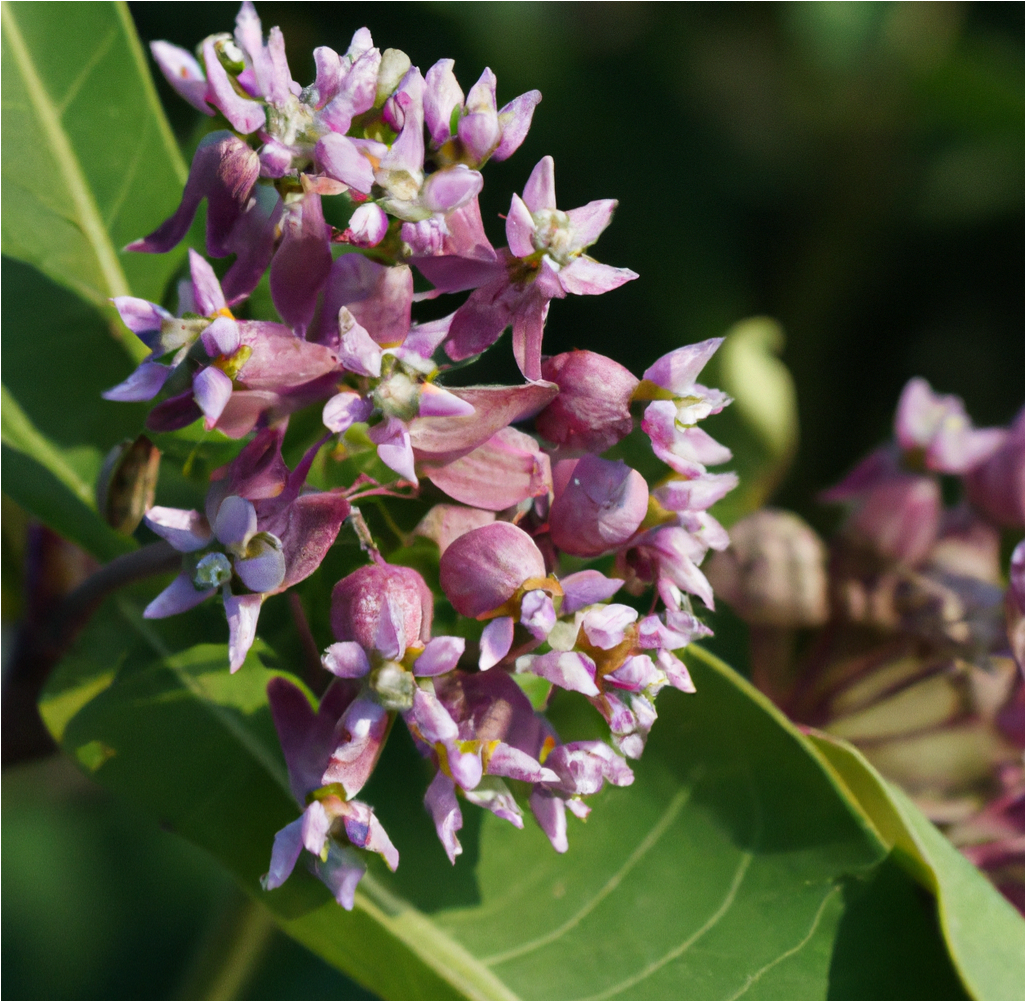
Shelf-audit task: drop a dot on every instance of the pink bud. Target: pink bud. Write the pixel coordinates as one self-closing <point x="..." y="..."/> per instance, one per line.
<point x="592" y="411"/>
<point x="381" y="601"/>
<point x="483" y="568"/>
<point x="602" y="506"/>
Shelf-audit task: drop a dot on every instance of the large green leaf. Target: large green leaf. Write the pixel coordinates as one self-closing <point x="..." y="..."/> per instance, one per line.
<point x="984" y="932"/>
<point x="47" y="482"/>
<point x="735" y="866"/>
<point x="89" y="161"/>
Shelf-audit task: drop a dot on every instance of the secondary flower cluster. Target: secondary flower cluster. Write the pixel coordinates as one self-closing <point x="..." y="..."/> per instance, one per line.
<point x="402" y="154"/>
<point x="920" y="658"/>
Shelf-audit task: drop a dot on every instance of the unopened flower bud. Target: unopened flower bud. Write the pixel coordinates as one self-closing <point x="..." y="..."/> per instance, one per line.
<point x="383" y="608"/>
<point x="592" y="411"/>
<point x="483" y="568"/>
<point x="774" y="572"/>
<point x="601" y="507"/>
<point x="394" y="64"/>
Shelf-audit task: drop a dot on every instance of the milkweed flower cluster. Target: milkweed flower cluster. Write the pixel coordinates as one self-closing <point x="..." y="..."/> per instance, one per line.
<point x="919" y="661"/>
<point x="402" y="152"/>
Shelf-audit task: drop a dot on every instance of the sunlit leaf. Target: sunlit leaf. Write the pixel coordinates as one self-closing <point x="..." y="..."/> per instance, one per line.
<point x="735" y="866"/>
<point x="89" y="161"/>
<point x="983" y="931"/>
<point x="48" y="484"/>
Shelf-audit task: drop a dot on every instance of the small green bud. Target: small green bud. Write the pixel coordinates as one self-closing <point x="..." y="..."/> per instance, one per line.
<point x="212" y="571"/>
<point x="394" y="685"/>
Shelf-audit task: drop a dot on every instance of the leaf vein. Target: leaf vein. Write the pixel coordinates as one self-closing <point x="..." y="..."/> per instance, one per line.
<point x="678" y="951"/>
<point x="655" y="833"/>
<point x="753" y="978"/>
<point x="94" y="60"/>
<point x="60" y="145"/>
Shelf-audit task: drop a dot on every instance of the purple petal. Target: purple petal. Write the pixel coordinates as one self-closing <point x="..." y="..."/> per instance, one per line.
<point x="436" y="402"/>
<point x="360" y="735"/>
<point x="341" y="159"/>
<point x="515" y="121"/>
<point x="697" y="494"/>
<point x="236" y="521"/>
<point x="341" y="872"/>
<point x="588" y="222"/>
<point x="520" y="228"/>
<point x="263" y="570"/>
<point x="367" y="226"/>
<point x="587" y="588"/>
<point x="505" y="470"/>
<point x="357" y="350"/>
<point x="604" y="626"/>
<point x="431" y="719"/>
<point x="442" y="94"/>
<point x="440" y="801"/>
<point x="211" y="389"/>
<point x="221" y="337"/>
<point x="636" y="673"/>
<point x="496" y="640"/>
<point x="505" y="760"/>
<point x="245" y="116"/>
<point x="329" y="74"/>
<point x="184" y="74"/>
<point x="346" y="659"/>
<point x="406" y="156"/>
<point x="528" y="328"/>
<point x="206" y="289"/>
<point x="550" y="813"/>
<point x="675" y="671"/>
<point x="143" y="384"/>
<point x="540" y="190"/>
<point x="394" y="449"/>
<point x="302" y="263"/>
<point x="242" y="611"/>
<point x="224" y="170"/>
<point x="252" y="241"/>
<point x="584" y="276"/>
<point x="141" y="317"/>
<point x="677" y="370"/>
<point x="390" y="639"/>
<point x="449" y="189"/>
<point x="344" y="409"/>
<point x="179" y="596"/>
<point x="314" y="829"/>
<point x="537" y="613"/>
<point x="440" y="656"/>
<point x="493" y="795"/>
<point x="568" y="669"/>
<point x="288" y="843"/>
<point x="275" y="159"/>
<point x="444" y="439"/>
<point x="186" y="531"/>
<point x="311" y="527"/>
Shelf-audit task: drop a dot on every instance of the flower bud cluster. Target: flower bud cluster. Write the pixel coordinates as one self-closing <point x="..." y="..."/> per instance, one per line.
<point x="919" y="662"/>
<point x="401" y="154"/>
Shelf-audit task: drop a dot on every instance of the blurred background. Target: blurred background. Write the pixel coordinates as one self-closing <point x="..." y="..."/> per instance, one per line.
<point x="853" y="170"/>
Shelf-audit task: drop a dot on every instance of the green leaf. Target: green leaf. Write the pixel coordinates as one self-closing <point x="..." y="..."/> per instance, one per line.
<point x="89" y="161"/>
<point x="735" y="866"/>
<point x="44" y="481"/>
<point x="983" y="931"/>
